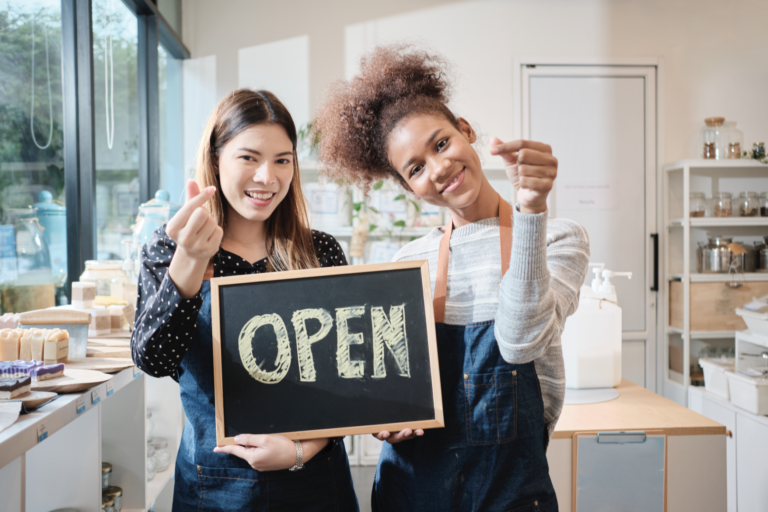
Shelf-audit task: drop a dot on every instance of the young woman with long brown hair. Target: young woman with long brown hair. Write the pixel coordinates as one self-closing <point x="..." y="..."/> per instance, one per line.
<point x="245" y="213"/>
<point x="501" y="366"/>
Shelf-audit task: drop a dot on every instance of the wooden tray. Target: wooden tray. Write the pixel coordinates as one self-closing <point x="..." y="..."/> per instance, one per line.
<point x="33" y="398"/>
<point x="109" y="342"/>
<point x="72" y="381"/>
<point x="101" y="364"/>
<point x="120" y="352"/>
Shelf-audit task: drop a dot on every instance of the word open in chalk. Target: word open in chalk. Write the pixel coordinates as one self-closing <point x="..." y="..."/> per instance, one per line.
<point x="387" y="331"/>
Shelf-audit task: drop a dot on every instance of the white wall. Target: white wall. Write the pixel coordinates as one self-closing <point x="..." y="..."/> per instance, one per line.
<point x="715" y="52"/>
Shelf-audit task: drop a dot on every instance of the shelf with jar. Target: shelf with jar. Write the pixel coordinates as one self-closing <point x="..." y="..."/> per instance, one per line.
<point x="711" y="209"/>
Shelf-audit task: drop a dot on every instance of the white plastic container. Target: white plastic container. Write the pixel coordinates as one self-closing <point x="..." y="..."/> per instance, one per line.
<point x="715" y="380"/>
<point x="747" y="392"/>
<point x="757" y="321"/>
<point x="591" y="339"/>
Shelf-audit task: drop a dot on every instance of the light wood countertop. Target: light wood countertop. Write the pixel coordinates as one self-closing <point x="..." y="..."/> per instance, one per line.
<point x="635" y="409"/>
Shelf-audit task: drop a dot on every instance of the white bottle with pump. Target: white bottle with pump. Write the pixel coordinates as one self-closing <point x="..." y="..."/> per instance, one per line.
<point x="591" y="339"/>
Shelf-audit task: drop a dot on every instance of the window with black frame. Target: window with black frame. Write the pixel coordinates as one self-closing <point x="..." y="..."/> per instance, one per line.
<point x="33" y="240"/>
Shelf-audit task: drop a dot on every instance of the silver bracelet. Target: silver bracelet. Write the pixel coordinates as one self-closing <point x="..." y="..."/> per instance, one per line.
<point x="299" y="457"/>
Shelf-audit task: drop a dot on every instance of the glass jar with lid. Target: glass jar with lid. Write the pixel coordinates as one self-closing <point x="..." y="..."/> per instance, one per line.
<point x="162" y="453"/>
<point x="748" y="204"/>
<point x="150" y="462"/>
<point x="735" y="140"/>
<point x="714" y="137"/>
<point x="116" y="493"/>
<point x="723" y="204"/>
<point x="106" y="473"/>
<point x="758" y="150"/>
<point x="763" y="200"/>
<point x="698" y="204"/>
<point x="107" y="504"/>
<point x="108" y="276"/>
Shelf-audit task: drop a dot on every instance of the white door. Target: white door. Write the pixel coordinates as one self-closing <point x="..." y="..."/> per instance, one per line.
<point x="601" y="124"/>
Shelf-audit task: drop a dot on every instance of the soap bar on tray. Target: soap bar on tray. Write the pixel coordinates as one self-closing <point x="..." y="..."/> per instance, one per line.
<point x="13" y="387"/>
<point x="37" y="370"/>
<point x="9" y="344"/>
<point x="56" y="346"/>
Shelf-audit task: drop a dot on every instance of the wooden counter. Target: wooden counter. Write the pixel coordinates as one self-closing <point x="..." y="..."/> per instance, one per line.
<point x="635" y="409"/>
<point x="696" y="446"/>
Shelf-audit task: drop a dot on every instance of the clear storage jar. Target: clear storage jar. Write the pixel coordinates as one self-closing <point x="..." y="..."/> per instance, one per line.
<point x="162" y="454"/>
<point x="723" y="204"/>
<point x="763" y="204"/>
<point x="106" y="474"/>
<point x="749" y="205"/>
<point x="108" y="276"/>
<point x="714" y="137"/>
<point x="150" y="462"/>
<point x="116" y="493"/>
<point x="735" y="140"/>
<point x="698" y="204"/>
<point x="758" y="150"/>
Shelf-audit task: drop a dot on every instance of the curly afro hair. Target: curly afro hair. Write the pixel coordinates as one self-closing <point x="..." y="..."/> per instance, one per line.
<point x="354" y="122"/>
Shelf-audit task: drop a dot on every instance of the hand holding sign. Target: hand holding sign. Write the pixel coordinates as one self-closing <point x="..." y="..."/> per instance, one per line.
<point x="532" y="170"/>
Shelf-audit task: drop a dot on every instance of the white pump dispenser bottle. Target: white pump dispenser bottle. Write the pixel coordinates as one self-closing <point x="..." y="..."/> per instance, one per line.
<point x="591" y="339"/>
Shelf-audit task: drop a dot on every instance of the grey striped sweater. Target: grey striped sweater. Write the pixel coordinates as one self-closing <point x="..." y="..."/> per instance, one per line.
<point x="540" y="290"/>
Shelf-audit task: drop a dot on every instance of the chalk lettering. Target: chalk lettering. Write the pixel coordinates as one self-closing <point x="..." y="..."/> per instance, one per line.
<point x="348" y="369"/>
<point x="283" y="359"/>
<point x="389" y="332"/>
<point x="304" y="341"/>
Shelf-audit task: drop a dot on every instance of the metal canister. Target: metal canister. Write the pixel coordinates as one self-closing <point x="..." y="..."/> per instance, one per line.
<point x="715" y="256"/>
<point x="746" y="262"/>
<point x="762" y="255"/>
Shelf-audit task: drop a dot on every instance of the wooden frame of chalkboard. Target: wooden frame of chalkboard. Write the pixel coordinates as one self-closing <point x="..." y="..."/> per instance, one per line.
<point x="297" y="406"/>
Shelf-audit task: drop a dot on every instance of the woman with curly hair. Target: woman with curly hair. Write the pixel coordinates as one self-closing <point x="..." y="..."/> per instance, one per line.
<point x="505" y="279"/>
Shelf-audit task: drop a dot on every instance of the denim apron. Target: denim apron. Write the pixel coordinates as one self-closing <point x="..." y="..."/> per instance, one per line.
<point x="215" y="481"/>
<point x="491" y="455"/>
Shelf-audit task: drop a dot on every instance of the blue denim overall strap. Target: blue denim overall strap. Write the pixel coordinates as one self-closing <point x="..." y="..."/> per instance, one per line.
<point x="213" y="481"/>
<point x="491" y="455"/>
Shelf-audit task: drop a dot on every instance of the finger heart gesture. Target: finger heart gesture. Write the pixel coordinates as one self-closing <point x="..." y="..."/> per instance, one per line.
<point x="192" y="228"/>
<point x="531" y="169"/>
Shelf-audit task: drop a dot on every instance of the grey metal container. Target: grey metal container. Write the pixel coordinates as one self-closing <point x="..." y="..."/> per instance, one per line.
<point x="71" y="320"/>
<point x="715" y="256"/>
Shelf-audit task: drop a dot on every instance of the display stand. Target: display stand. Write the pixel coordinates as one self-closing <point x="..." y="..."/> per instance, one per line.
<point x="679" y="241"/>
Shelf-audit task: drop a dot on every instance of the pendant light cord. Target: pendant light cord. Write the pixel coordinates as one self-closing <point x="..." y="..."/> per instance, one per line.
<point x="50" y="97"/>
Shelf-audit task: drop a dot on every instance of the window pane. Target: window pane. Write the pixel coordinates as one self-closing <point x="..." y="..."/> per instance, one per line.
<point x="171" y="11"/>
<point x="172" y="177"/>
<point x="115" y="69"/>
<point x="33" y="244"/>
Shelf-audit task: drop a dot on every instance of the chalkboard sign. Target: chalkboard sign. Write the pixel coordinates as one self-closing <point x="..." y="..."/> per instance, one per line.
<point x="325" y="352"/>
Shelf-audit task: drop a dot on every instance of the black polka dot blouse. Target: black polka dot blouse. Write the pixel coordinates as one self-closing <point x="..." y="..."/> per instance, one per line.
<point x="166" y="323"/>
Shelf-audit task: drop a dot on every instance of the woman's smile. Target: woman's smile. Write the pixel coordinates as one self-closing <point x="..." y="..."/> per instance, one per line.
<point x="455" y="183"/>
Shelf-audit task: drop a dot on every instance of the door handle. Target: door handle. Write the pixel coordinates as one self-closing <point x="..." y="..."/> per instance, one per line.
<point x="655" y="238"/>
